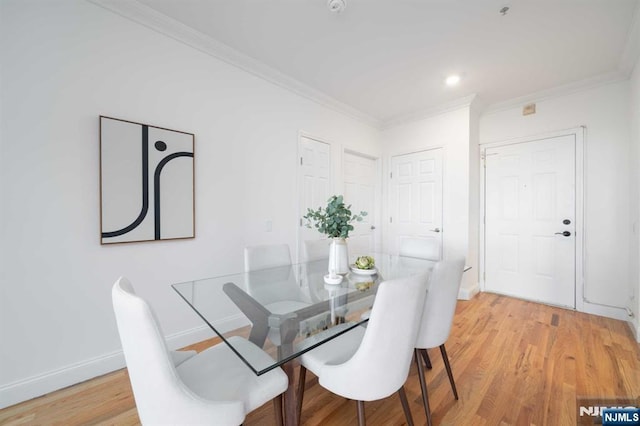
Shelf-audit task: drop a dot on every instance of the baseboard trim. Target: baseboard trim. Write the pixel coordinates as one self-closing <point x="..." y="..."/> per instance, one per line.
<point x="603" y="311"/>
<point x="467" y="293"/>
<point x="41" y="384"/>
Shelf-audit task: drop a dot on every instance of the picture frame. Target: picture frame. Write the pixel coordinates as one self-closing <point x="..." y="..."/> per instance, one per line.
<point x="147" y="182"/>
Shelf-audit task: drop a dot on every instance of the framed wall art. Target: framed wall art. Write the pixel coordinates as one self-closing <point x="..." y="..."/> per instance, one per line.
<point x="146" y="182"/>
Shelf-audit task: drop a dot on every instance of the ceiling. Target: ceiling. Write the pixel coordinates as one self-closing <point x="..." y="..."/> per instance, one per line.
<point x="389" y="59"/>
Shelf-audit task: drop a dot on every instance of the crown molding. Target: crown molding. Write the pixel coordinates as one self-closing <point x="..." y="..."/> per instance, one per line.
<point x="631" y="52"/>
<point x="429" y="112"/>
<point x="156" y="21"/>
<point x="554" y="92"/>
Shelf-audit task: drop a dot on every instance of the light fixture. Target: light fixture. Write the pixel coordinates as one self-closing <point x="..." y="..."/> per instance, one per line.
<point x="336" y="6"/>
<point x="452" y="80"/>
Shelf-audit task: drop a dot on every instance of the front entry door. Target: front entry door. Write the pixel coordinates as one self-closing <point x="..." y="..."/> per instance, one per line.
<point x="530" y="201"/>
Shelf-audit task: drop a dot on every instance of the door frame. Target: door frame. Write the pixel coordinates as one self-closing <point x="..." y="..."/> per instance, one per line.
<point x="579" y="134"/>
<point x="377" y="234"/>
<point x="387" y="211"/>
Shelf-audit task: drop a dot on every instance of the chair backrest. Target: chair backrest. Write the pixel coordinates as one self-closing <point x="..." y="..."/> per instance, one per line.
<point x="440" y="305"/>
<point x="161" y="396"/>
<point x="273" y="284"/>
<point x="316" y="249"/>
<point x="381" y="364"/>
<point x="423" y="248"/>
<point x="266" y="256"/>
<point x="270" y="277"/>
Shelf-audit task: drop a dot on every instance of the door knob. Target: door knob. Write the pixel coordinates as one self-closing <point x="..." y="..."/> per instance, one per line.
<point x="565" y="233"/>
<point x="373" y="227"/>
<point x="435" y="230"/>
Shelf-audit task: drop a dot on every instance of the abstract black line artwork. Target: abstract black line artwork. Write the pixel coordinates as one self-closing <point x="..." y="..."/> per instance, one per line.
<point x="146" y="182"/>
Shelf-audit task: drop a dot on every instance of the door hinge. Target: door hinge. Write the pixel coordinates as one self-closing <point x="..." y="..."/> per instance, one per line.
<point x="390" y="219"/>
<point x="300" y="222"/>
<point x="391" y="175"/>
<point x="484" y="276"/>
<point x="301" y="161"/>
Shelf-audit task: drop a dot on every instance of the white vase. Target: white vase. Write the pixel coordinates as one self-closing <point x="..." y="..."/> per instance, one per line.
<point x="338" y="256"/>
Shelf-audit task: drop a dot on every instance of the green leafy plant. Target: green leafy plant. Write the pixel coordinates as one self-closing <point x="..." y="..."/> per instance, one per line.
<point x="334" y="220"/>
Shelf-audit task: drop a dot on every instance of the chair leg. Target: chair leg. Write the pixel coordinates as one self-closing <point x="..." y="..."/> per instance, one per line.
<point x="277" y="407"/>
<point x="423" y="386"/>
<point x="361" y="418"/>
<point x="427" y="360"/>
<point x="405" y="406"/>
<point x="301" y="385"/>
<point x="448" y="367"/>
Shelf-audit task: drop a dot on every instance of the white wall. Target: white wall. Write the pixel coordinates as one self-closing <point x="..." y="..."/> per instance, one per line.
<point x="604" y="111"/>
<point x="65" y="63"/>
<point x="451" y="131"/>
<point x="634" y="197"/>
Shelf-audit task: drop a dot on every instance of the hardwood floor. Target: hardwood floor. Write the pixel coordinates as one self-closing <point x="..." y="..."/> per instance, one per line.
<point x="515" y="363"/>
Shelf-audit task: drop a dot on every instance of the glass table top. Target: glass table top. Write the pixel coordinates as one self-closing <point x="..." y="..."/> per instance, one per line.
<point x="290" y="310"/>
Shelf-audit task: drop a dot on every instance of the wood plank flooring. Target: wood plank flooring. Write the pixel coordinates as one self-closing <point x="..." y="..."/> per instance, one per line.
<point x="515" y="363"/>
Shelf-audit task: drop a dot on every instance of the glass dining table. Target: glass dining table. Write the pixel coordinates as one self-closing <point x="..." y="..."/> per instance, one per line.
<point x="290" y="310"/>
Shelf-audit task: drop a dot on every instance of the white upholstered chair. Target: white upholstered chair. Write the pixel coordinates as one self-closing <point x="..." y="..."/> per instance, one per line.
<point x="367" y="364"/>
<point x="437" y="319"/>
<point x="275" y="287"/>
<point x="211" y="387"/>
<point x="266" y="256"/>
<point x="316" y="249"/>
<point x="423" y="248"/>
<point x="272" y="288"/>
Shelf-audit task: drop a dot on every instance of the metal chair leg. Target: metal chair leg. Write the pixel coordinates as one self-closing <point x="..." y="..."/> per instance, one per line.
<point x="427" y="360"/>
<point x="301" y="385"/>
<point x="277" y="407"/>
<point x="423" y="386"/>
<point x="361" y="418"/>
<point x="405" y="406"/>
<point x="448" y="367"/>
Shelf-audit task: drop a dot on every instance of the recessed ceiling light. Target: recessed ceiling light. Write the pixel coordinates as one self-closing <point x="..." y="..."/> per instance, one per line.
<point x="452" y="80"/>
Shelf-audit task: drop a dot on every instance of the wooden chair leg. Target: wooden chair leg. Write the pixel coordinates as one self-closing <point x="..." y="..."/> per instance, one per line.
<point x="448" y="367"/>
<point x="427" y="360"/>
<point x="361" y="418"/>
<point x="405" y="406"/>
<point x="277" y="407"/>
<point x="301" y="385"/>
<point x="423" y="386"/>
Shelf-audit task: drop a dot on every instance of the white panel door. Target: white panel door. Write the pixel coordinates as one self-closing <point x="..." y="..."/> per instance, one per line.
<point x="314" y="175"/>
<point x="530" y="220"/>
<point x="416" y="197"/>
<point x="360" y="178"/>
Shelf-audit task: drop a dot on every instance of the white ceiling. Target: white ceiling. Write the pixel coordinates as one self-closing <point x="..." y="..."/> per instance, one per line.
<point x="389" y="58"/>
